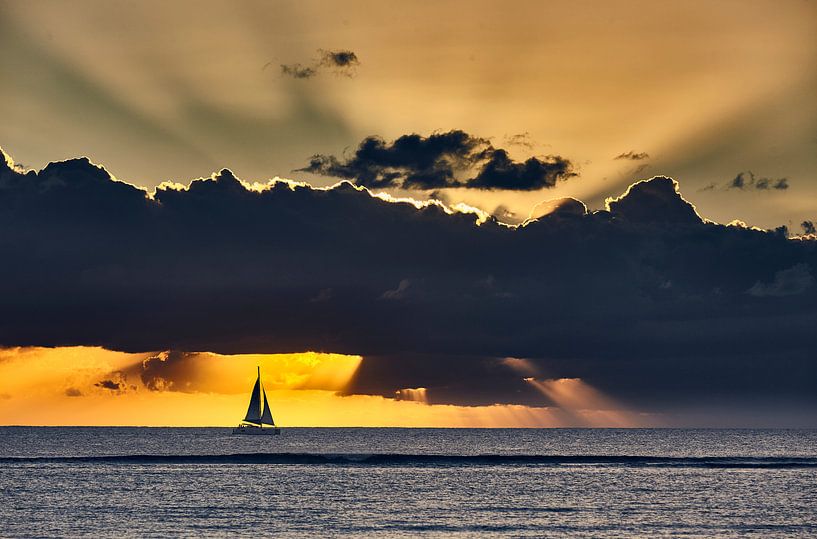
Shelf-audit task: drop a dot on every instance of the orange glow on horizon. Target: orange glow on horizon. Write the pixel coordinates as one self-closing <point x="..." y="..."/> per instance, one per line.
<point x="93" y="386"/>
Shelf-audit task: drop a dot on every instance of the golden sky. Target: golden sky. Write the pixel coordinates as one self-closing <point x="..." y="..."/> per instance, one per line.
<point x="94" y="386"/>
<point x="158" y="91"/>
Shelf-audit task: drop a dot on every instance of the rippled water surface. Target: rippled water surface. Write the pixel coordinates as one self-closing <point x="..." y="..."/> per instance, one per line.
<point x="158" y="482"/>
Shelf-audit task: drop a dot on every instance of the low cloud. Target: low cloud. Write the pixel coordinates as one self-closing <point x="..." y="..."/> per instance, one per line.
<point x="441" y="160"/>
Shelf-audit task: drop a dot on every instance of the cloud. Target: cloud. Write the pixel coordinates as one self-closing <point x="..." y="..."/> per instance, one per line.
<point x="205" y="372"/>
<point x="559" y="208"/>
<point x="808" y="227"/>
<point x="399" y="292"/>
<point x="298" y="71"/>
<point x="168" y="371"/>
<point x="439" y="161"/>
<point x="339" y="62"/>
<point x="74" y="392"/>
<point x="633" y="156"/>
<point x="523" y="140"/>
<point x="655" y="200"/>
<point x="788" y="282"/>
<point x="747" y="180"/>
<point x="343" y="59"/>
<point x="644" y="301"/>
<point x="110" y="384"/>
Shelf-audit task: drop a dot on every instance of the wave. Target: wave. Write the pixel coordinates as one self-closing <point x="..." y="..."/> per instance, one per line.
<point x="393" y="459"/>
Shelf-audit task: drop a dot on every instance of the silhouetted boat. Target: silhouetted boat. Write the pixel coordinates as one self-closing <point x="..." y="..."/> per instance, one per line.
<point x="259" y="417"/>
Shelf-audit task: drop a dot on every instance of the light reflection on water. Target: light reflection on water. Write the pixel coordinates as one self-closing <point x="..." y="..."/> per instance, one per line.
<point x="105" y="499"/>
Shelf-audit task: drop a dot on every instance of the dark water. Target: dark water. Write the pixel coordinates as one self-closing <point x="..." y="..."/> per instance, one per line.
<point x="406" y="482"/>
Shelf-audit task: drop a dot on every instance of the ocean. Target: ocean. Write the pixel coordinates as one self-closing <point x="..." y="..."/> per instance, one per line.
<point x="160" y="482"/>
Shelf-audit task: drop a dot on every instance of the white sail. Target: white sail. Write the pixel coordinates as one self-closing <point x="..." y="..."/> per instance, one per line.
<point x="266" y="417"/>
<point x="254" y="410"/>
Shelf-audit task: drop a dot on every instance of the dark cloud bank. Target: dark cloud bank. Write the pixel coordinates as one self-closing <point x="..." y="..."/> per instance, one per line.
<point x="440" y="161"/>
<point x="646" y="301"/>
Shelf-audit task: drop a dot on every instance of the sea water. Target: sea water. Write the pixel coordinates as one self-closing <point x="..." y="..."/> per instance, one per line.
<point x="106" y="482"/>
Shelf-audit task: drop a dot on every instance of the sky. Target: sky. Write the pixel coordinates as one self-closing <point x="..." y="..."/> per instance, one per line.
<point x="469" y="213"/>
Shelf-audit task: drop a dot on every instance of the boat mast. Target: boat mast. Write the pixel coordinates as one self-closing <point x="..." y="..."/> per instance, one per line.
<point x="261" y="405"/>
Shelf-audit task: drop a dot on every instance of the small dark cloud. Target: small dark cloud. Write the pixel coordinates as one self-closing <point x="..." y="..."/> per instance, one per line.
<point x="74" y="392"/>
<point x="747" y="180"/>
<point x="338" y="62"/>
<point x="808" y="227"/>
<point x="116" y="381"/>
<point x="502" y="172"/>
<point x="739" y="181"/>
<point x="633" y="156"/>
<point x="782" y="183"/>
<point x="110" y="384"/>
<point x="340" y="58"/>
<point x="440" y="161"/>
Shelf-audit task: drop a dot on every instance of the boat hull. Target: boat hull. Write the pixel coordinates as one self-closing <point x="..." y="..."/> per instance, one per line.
<point x="252" y="430"/>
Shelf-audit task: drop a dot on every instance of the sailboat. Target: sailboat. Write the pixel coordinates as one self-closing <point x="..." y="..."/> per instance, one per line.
<point x="259" y="418"/>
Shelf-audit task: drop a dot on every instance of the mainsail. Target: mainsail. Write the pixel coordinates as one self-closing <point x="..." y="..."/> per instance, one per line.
<point x="255" y="414"/>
